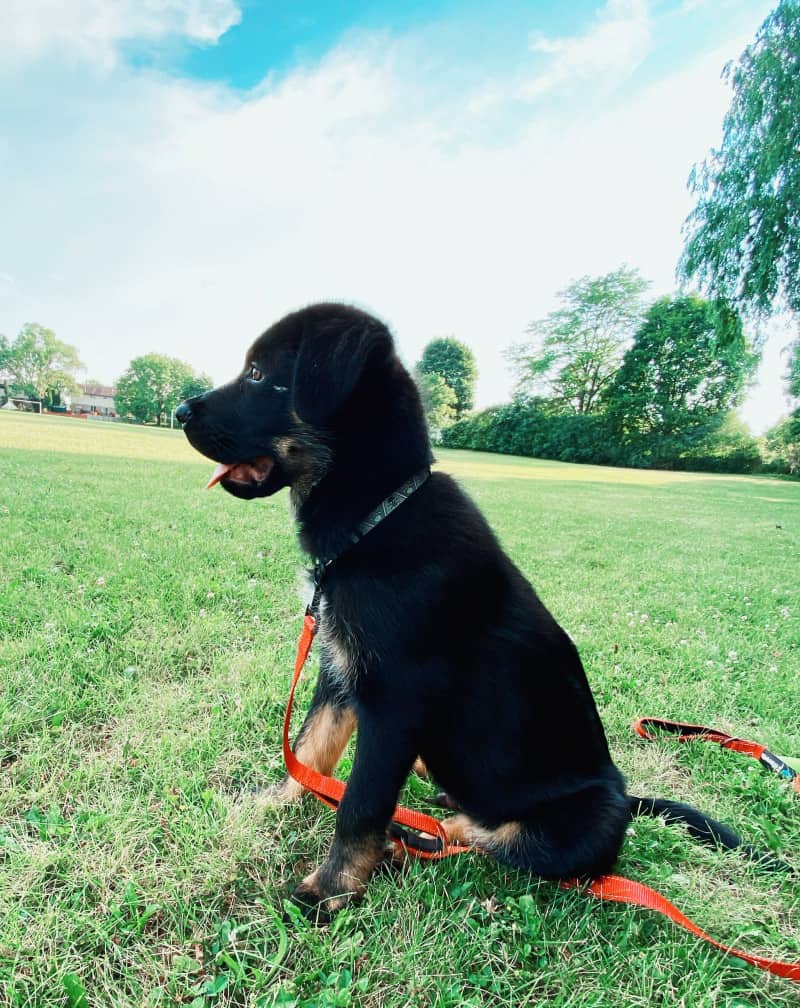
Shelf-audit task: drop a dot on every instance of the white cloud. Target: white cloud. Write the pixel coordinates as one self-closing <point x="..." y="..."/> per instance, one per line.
<point x="184" y="218"/>
<point x="93" y="28"/>
<point x="615" y="44"/>
<point x="606" y="54"/>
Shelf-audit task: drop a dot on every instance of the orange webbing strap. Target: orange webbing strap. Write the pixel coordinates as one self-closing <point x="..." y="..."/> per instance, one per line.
<point x="689" y="732"/>
<point x="330" y="790"/>
<point x="616" y="889"/>
<point x="613" y="888"/>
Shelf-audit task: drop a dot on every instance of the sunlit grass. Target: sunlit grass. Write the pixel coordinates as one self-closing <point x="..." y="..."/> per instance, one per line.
<point x="147" y="631"/>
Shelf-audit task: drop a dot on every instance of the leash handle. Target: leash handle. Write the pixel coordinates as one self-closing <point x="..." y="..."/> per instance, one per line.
<point x="406" y="824"/>
<point x="691" y="732"/>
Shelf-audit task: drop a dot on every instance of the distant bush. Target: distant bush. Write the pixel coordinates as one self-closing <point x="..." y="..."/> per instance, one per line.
<point x="530" y="427"/>
<point x="782" y="446"/>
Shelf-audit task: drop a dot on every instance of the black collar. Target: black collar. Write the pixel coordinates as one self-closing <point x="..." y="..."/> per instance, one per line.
<point x="383" y="510"/>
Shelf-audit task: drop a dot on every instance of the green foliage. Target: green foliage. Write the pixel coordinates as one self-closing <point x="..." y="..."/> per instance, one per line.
<point x="793" y="376"/>
<point x="730" y="448"/>
<point x="41" y="365"/>
<point x="454" y="362"/>
<point x="5" y="352"/>
<point x="578" y="347"/>
<point x="438" y="401"/>
<point x="196" y="385"/>
<point x="527" y="427"/>
<point x="678" y="381"/>
<point x="742" y="238"/>
<point x="154" y="385"/>
<point x="782" y="443"/>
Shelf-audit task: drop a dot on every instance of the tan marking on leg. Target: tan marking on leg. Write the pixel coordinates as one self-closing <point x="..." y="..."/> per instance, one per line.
<point x="282" y="793"/>
<point x="324" y="738"/>
<point x="463" y="830"/>
<point x="320" y="746"/>
<point x="343" y="877"/>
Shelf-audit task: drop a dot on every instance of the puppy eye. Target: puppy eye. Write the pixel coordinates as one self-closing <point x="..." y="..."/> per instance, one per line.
<point x="254" y="374"/>
<point x="280" y="388"/>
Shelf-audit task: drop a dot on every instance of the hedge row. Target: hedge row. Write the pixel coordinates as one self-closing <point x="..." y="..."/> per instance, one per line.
<point x="520" y="428"/>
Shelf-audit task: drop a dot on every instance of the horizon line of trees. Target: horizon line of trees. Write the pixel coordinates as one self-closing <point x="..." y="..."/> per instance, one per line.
<point x="601" y="380"/>
<point x="44" y="369"/>
<point x="603" y="377"/>
<point x="606" y="380"/>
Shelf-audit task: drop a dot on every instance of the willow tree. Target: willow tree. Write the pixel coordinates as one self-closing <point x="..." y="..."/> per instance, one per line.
<point x="743" y="236"/>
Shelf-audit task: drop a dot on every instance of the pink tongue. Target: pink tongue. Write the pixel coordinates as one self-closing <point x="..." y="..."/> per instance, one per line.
<point x="223" y="468"/>
<point x="243" y="472"/>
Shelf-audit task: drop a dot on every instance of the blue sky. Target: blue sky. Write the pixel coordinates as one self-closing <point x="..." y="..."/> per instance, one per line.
<point x="176" y="174"/>
<point x="275" y="37"/>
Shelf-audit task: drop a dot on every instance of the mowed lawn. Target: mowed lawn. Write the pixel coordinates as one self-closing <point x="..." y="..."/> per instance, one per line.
<point x="147" y="637"/>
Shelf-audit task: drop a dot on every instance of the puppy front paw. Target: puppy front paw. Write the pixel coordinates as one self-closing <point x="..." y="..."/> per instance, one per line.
<point x="319" y="900"/>
<point x="285" y="792"/>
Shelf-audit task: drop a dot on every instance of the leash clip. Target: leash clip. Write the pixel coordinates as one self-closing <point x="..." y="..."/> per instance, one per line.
<point x="317" y="573"/>
<point x="777" y="765"/>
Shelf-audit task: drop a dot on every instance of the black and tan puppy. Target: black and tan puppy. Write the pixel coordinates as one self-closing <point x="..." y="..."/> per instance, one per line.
<point x="432" y="642"/>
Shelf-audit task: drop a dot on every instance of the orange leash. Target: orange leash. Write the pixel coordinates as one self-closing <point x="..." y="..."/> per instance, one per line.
<point x="617" y="889"/>
<point x="700" y="733"/>
<point x="407" y="825"/>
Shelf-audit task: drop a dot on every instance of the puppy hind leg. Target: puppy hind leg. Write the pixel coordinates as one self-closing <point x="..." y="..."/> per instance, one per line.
<point x="461" y="829"/>
<point x="441" y="799"/>
<point x="578" y="837"/>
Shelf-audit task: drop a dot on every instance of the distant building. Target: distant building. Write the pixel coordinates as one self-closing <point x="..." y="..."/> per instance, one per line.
<point x="94" y="399"/>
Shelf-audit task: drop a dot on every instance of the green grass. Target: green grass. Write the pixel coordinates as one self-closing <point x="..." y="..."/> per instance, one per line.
<point x="148" y="631"/>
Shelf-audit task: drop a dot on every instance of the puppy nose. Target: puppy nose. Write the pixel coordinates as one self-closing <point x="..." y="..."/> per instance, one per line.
<point x="183" y="413"/>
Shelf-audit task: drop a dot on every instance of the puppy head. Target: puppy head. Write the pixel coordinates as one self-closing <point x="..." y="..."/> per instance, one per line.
<point x="275" y="423"/>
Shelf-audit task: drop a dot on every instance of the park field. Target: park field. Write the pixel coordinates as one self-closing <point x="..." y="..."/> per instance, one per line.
<point x="147" y="634"/>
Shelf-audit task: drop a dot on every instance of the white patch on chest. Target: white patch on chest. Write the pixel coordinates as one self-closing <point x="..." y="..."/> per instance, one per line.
<point x="336" y="640"/>
<point x="340" y="647"/>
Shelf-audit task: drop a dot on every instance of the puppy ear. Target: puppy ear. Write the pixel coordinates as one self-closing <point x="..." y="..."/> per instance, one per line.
<point x="335" y="351"/>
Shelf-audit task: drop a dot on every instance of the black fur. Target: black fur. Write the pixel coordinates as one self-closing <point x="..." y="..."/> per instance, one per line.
<point x="430" y="634"/>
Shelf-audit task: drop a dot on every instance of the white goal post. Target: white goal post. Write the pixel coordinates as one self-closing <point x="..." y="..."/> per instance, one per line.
<point x="26" y="405"/>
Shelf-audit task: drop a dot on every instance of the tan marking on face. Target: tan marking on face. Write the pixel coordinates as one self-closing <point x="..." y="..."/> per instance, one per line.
<point x="324" y="738"/>
<point x="420" y="769"/>
<point x="305" y="458"/>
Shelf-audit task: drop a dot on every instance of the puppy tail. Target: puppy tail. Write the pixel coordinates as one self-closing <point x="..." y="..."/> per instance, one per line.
<point x="705" y="829"/>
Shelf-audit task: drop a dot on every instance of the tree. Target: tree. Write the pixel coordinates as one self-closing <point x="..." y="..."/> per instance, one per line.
<point x="153" y="385"/>
<point x="5" y="352"/>
<point x="454" y="362"/>
<point x="677" y="381"/>
<point x="438" y="401"/>
<point x="196" y="385"/>
<point x="793" y="376"/>
<point x="41" y="365"/>
<point x="743" y="236"/>
<point x="783" y="445"/>
<point x="577" y="349"/>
